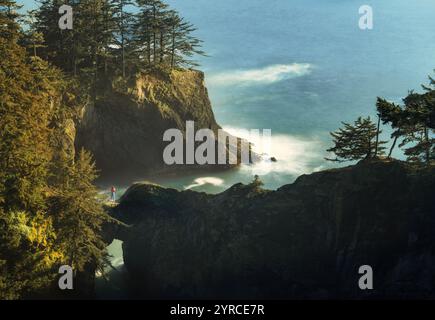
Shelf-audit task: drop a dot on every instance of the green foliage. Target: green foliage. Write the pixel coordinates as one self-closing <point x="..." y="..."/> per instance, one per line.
<point x="413" y="122"/>
<point x="163" y="37"/>
<point x="45" y="192"/>
<point x="8" y="15"/>
<point x="109" y="38"/>
<point x="357" y="141"/>
<point x="78" y="213"/>
<point x="122" y="33"/>
<point x="27" y="253"/>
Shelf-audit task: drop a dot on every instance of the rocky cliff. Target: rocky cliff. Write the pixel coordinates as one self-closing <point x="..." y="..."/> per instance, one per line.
<point x="304" y="240"/>
<point x="124" y="129"/>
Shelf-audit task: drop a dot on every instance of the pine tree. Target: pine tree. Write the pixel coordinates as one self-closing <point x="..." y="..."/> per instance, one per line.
<point x="413" y="123"/>
<point x="85" y="48"/>
<point x="123" y="21"/>
<point x="26" y="90"/>
<point x="59" y="46"/>
<point x="417" y="132"/>
<point x="31" y="39"/>
<point x="92" y="40"/>
<point x="37" y="173"/>
<point x="357" y="141"/>
<point x="391" y="113"/>
<point x="79" y="215"/>
<point x="157" y="24"/>
<point x="149" y="29"/>
<point x="23" y="120"/>
<point x="182" y="44"/>
<point x="142" y="35"/>
<point x="162" y="37"/>
<point x="108" y="38"/>
<point x="430" y="89"/>
<point x="8" y="15"/>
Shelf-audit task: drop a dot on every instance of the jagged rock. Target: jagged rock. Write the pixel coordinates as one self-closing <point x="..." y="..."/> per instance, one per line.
<point x="304" y="240"/>
<point x="124" y="130"/>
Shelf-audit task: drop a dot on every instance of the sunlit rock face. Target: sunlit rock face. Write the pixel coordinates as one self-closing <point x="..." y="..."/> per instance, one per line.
<point x="304" y="240"/>
<point x="124" y="130"/>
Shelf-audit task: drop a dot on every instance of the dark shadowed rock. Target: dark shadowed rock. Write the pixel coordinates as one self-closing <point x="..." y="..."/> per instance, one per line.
<point x="304" y="240"/>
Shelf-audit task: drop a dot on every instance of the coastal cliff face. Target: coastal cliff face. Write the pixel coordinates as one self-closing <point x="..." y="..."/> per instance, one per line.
<point x="124" y="130"/>
<point x="304" y="240"/>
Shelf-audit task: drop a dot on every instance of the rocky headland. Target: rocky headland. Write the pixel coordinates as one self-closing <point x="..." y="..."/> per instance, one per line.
<point x="305" y="240"/>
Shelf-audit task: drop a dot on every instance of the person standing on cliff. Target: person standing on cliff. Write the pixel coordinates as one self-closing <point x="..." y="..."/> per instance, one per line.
<point x="113" y="194"/>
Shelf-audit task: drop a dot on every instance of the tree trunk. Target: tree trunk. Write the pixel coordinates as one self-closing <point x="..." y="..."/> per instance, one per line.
<point x="377" y="137"/>
<point x="173" y="49"/>
<point x="74" y="57"/>
<point x="162" y="47"/>
<point x="95" y="62"/>
<point x="149" y="50"/>
<point x="427" y="144"/>
<point x="393" y="146"/>
<point x="106" y="25"/>
<point x="154" y="33"/>
<point x="74" y="54"/>
<point x="122" y="40"/>
<point x="123" y="55"/>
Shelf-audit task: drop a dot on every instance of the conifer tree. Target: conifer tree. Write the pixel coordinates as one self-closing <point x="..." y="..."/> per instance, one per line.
<point x="162" y="37"/>
<point x="34" y="40"/>
<point x="417" y="132"/>
<point x="34" y="234"/>
<point x="31" y="38"/>
<point x="59" y="46"/>
<point x="357" y="141"/>
<point x="79" y="215"/>
<point x="182" y="44"/>
<point x="390" y="113"/>
<point x="26" y="233"/>
<point x="123" y="20"/>
<point x="142" y="36"/>
<point x="107" y="36"/>
<point x="413" y="123"/>
<point x="149" y="28"/>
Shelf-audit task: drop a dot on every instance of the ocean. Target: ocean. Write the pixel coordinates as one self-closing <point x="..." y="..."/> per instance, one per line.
<point x="299" y="68"/>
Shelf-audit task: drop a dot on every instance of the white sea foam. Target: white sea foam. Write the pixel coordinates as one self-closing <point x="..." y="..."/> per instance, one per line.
<point x="295" y="155"/>
<point x="117" y="262"/>
<point x="266" y="75"/>
<point x="205" y="180"/>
